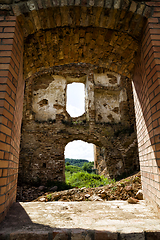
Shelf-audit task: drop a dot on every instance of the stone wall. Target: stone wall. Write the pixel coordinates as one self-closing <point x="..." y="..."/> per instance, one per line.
<point x="108" y="122"/>
<point x="114" y="18"/>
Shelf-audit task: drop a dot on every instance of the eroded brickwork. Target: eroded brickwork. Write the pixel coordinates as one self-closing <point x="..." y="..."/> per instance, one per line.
<point x="120" y="24"/>
<point x="105" y="48"/>
<point x="108" y="122"/>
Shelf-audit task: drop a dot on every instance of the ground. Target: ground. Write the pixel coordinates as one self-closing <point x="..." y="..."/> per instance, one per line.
<point x="120" y="190"/>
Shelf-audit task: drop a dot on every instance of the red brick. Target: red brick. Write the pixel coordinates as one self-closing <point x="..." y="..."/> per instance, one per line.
<point x="12" y="71"/>
<point x="5" y="130"/>
<point x="7" y="24"/>
<point x="6" y="114"/>
<point x="6" y="35"/>
<point x="158" y="147"/>
<point x="5" y="48"/>
<point x="7" y="41"/>
<point x="5" y="172"/>
<point x="11" y="18"/>
<point x="5" y="53"/>
<point x="2" y="137"/>
<point x="9" y="29"/>
<point x="148" y="49"/>
<point x="2" y="199"/>
<point x="4" y="147"/>
<point x="153" y="20"/>
<point x="1" y="154"/>
<point x="157" y="91"/>
<point x="3" y="163"/>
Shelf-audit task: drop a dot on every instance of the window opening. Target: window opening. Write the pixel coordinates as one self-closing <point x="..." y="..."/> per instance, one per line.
<point x="75" y="99"/>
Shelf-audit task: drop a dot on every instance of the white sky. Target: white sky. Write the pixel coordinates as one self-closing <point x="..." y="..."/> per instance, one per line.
<point x="75" y="99"/>
<point x="79" y="150"/>
<point x="76" y="107"/>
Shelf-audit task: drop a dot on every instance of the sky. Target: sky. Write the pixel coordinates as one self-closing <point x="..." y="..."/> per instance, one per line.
<point x="79" y="150"/>
<point x="76" y="107"/>
<point x="75" y="99"/>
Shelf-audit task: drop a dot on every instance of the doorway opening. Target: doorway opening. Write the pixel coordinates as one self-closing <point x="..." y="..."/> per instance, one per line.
<point x="75" y="105"/>
<point x="78" y="149"/>
<point x="79" y="164"/>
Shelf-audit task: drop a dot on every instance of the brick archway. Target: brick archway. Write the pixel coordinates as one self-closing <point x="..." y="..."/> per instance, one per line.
<point x="119" y="16"/>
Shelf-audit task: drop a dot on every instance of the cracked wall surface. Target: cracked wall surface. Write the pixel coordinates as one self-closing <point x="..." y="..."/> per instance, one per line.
<point x="119" y="36"/>
<point x="108" y="122"/>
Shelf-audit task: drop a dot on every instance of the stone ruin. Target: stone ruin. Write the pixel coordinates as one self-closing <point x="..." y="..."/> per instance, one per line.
<point x="108" y="123"/>
<point x="104" y="44"/>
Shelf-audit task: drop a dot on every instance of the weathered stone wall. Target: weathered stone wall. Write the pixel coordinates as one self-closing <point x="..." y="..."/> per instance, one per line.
<point x="108" y="122"/>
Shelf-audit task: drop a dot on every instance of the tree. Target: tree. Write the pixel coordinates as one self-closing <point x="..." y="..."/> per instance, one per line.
<point x="88" y="166"/>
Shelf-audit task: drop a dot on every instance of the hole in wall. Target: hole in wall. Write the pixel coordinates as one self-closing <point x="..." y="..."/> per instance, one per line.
<point x="44" y="165"/>
<point x="75" y="99"/>
<point x="78" y="149"/>
<point x="43" y="102"/>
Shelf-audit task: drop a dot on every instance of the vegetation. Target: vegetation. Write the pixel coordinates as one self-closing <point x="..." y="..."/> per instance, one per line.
<point x="72" y="169"/>
<point x="85" y="179"/>
<point x="76" y="162"/>
<point x="88" y="166"/>
<point x="79" y="177"/>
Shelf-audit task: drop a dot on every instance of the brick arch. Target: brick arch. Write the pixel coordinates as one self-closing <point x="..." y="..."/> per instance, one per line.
<point x="128" y="16"/>
<point x="130" y="19"/>
<point x="98" y="46"/>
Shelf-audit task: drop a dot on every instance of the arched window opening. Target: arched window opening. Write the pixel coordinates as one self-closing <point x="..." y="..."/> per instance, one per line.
<point x="79" y="150"/>
<point x="75" y="99"/>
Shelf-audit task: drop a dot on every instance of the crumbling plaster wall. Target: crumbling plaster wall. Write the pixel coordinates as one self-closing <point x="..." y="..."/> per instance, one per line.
<point x="108" y="122"/>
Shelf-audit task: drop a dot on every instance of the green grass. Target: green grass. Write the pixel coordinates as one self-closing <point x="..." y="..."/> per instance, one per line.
<point x="76" y="177"/>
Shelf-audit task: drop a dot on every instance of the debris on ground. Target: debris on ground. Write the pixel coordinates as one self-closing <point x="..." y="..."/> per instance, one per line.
<point x="128" y="188"/>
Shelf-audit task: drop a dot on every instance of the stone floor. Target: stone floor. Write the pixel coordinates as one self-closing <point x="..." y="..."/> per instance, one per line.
<point x="110" y="220"/>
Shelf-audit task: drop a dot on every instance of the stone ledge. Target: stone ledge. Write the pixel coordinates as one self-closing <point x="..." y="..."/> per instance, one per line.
<point x="78" y="234"/>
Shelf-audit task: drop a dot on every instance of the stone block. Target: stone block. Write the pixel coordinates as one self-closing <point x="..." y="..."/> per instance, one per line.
<point x="60" y="235"/>
<point x="132" y="236"/>
<point x="152" y="235"/>
<point x="29" y="236"/>
<point x="105" y="235"/>
<point x="6" y="1"/>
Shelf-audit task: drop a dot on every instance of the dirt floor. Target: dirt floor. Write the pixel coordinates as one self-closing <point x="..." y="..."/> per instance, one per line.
<point x="103" y="213"/>
<point x="107" y="220"/>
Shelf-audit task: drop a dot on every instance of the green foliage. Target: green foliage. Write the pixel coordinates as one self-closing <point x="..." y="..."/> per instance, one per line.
<point x="76" y="162"/>
<point x="73" y="169"/>
<point x="88" y="166"/>
<point x="49" y="197"/>
<point x="84" y="179"/>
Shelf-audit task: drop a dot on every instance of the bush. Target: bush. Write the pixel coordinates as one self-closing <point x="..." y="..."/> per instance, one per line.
<point x="73" y="169"/>
<point x="84" y="179"/>
<point x="88" y="166"/>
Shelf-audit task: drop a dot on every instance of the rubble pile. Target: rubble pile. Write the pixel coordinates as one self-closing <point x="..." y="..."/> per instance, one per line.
<point x="121" y="190"/>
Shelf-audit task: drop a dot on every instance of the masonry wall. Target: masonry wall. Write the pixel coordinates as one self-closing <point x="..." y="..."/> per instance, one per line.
<point x="108" y="122"/>
<point x="11" y="100"/>
<point x="146" y="87"/>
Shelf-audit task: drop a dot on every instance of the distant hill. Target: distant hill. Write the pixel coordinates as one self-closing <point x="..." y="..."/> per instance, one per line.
<point x="76" y="162"/>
